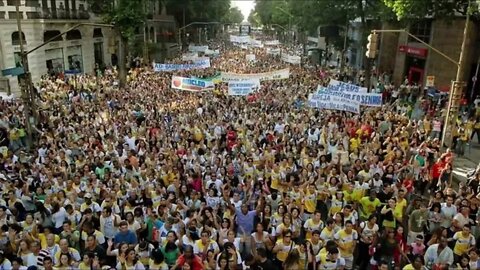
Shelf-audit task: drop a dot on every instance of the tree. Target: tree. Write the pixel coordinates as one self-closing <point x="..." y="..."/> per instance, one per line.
<point x="126" y="16"/>
<point x="254" y="19"/>
<point x="419" y="9"/>
<point x="234" y="15"/>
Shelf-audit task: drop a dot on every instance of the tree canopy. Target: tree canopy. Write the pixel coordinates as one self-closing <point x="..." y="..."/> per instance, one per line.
<point x="408" y="9"/>
<point x="234" y="15"/>
<point x="309" y="14"/>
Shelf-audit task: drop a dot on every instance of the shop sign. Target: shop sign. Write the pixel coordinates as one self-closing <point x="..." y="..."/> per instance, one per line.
<point x="419" y="52"/>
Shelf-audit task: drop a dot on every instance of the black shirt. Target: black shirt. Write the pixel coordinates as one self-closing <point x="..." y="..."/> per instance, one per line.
<point x="266" y="265"/>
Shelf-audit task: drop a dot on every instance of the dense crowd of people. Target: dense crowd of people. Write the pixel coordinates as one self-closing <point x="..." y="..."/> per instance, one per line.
<point x="149" y="177"/>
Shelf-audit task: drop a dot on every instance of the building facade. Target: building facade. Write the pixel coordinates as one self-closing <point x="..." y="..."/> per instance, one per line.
<point x="77" y="51"/>
<point x="411" y="60"/>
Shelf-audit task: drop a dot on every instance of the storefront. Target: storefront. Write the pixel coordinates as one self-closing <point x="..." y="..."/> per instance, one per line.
<point x="54" y="60"/>
<point x="74" y="59"/>
<point x="415" y="61"/>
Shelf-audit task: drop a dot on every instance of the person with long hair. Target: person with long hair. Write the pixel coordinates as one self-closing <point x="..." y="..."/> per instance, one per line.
<point x="128" y="261"/>
<point x="292" y="262"/>
<point x="170" y="249"/>
<point x="65" y="262"/>
<point x="368" y="231"/>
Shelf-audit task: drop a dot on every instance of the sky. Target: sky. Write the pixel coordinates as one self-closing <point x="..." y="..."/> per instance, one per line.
<point x="245" y="6"/>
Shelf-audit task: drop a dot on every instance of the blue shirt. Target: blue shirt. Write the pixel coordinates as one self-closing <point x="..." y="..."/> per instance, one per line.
<point x="129" y="238"/>
<point x="245" y="222"/>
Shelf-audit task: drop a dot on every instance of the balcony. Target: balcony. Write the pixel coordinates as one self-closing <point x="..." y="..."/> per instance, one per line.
<point x="61" y="14"/>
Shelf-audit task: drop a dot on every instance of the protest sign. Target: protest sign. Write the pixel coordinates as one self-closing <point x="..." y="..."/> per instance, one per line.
<point x="271" y="42"/>
<point x="265" y="76"/>
<point x="191" y="84"/>
<point x="335" y="85"/>
<point x="365" y="99"/>
<point x="240" y="39"/>
<point x="243" y="88"/>
<point x="194" y="48"/>
<point x="273" y="51"/>
<point x="204" y="63"/>
<point x="339" y="103"/>
<point x="328" y="102"/>
<point x="250" y="57"/>
<point x="292" y="59"/>
<point x="190" y="56"/>
<point x="256" y="43"/>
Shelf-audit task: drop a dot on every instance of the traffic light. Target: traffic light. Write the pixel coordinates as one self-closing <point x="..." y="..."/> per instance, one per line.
<point x="372" y="45"/>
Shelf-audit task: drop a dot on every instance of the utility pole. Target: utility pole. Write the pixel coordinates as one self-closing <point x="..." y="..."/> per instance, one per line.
<point x="457" y="88"/>
<point x="26" y="86"/>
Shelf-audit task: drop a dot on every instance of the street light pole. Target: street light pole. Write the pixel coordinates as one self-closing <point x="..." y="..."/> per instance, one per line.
<point x="26" y="82"/>
<point x="457" y="87"/>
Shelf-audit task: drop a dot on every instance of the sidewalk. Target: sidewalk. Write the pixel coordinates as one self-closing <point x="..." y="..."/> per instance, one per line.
<point x="467" y="163"/>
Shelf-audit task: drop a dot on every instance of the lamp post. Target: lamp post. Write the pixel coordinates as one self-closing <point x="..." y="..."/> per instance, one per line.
<point x="290" y="16"/>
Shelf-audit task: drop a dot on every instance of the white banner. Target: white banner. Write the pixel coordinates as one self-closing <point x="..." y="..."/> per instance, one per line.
<point x="194" y="48"/>
<point x="243" y="88"/>
<point x="256" y="43"/>
<point x="273" y="51"/>
<point x="292" y="59"/>
<point x="190" y="56"/>
<point x="191" y="84"/>
<point x="250" y="57"/>
<point x="212" y="52"/>
<point x="240" y="39"/>
<point x="335" y="105"/>
<point x="365" y="99"/>
<point x="271" y="43"/>
<point x="265" y="76"/>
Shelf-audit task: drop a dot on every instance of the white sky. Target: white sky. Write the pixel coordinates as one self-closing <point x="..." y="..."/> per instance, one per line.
<point x="245" y="6"/>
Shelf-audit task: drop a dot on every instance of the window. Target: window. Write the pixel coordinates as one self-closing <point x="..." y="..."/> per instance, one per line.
<point x="74" y="34"/>
<point x="421" y="30"/>
<point x="47" y="35"/>
<point x="97" y="33"/>
<point x="11" y="2"/>
<point x="32" y="3"/>
<point x="16" y="38"/>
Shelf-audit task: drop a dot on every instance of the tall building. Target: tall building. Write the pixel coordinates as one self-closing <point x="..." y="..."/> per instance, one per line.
<point x="78" y="51"/>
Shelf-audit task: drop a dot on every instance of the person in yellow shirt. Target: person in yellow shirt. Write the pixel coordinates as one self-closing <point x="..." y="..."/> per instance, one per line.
<point x="346" y="240"/>
<point x="368" y="205"/>
<point x="328" y="233"/>
<point x="400" y="206"/>
<point x="284" y="246"/>
<point x="464" y="241"/>
<point x="310" y="200"/>
<point x="312" y="224"/>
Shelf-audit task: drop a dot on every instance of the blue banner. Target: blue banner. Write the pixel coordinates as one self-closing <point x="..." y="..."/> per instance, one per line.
<point x="365" y="99"/>
<point x="204" y="63"/>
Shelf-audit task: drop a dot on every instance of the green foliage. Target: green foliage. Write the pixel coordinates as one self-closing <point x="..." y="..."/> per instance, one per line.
<point x="254" y="19"/>
<point x="417" y="9"/>
<point x="309" y="14"/>
<point x="234" y="15"/>
<point x="126" y="15"/>
<point x="197" y="10"/>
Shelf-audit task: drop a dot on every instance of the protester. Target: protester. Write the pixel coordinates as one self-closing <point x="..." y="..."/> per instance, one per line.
<point x="147" y="176"/>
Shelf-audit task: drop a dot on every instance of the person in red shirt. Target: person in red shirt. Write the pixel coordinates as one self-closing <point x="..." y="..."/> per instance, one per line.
<point x="194" y="261"/>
